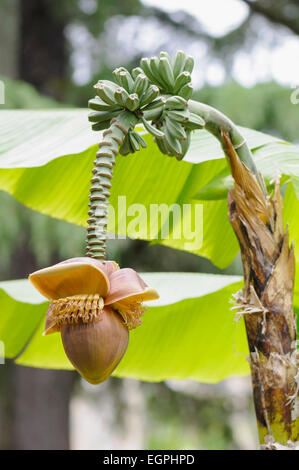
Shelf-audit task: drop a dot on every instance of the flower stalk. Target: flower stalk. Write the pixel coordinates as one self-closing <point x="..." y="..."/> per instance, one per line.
<point x="113" y="138"/>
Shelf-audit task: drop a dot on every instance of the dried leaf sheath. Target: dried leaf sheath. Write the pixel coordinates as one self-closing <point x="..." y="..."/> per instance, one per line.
<point x="266" y="301"/>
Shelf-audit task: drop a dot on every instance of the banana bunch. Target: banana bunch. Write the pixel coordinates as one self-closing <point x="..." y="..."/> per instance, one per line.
<point x="132" y="143"/>
<point x="175" y="126"/>
<point x="171" y="78"/>
<point x="157" y="93"/>
<point x="132" y="91"/>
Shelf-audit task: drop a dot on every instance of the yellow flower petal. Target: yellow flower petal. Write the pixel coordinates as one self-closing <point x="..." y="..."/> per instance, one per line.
<point x="126" y="285"/>
<point x="70" y="278"/>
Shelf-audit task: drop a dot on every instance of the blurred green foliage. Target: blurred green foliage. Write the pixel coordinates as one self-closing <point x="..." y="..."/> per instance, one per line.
<point x="265" y="107"/>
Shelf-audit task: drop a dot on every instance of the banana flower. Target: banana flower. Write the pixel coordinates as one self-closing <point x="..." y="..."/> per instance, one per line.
<point x="93" y="305"/>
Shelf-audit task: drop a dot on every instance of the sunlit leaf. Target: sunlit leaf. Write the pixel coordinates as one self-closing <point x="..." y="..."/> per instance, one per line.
<point x="188" y="333"/>
<point x="46" y="161"/>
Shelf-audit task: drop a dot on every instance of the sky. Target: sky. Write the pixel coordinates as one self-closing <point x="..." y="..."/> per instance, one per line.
<point x="265" y="61"/>
<point x="229" y="12"/>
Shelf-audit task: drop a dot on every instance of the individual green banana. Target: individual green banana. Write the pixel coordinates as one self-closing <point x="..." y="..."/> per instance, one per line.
<point x="109" y="83"/>
<point x="140" y="84"/>
<point x="173" y="143"/>
<point x="176" y="102"/>
<point x="126" y="147"/>
<point x="139" y="139"/>
<point x="121" y="96"/>
<point x="186" y="91"/>
<point x="180" y="116"/>
<point x="151" y="129"/>
<point x="195" y="122"/>
<point x="156" y="103"/>
<point x="145" y="65"/>
<point x="99" y="105"/>
<point x="99" y="126"/>
<point x="154" y="66"/>
<point x="151" y="93"/>
<point x="182" y="79"/>
<point x="185" y="144"/>
<point x="135" y="142"/>
<point x="154" y="110"/>
<point x="132" y="102"/>
<point x="166" y="72"/>
<point x="116" y="73"/>
<point x="135" y="72"/>
<point x="176" y="129"/>
<point x="189" y="64"/>
<point x="166" y="55"/>
<point x="100" y="116"/>
<point x="179" y="62"/>
<point x="160" y="141"/>
<point x="105" y="92"/>
<point x="127" y="81"/>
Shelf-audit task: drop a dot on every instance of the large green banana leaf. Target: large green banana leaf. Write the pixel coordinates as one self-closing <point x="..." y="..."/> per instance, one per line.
<point x="188" y="333"/>
<point x="46" y="160"/>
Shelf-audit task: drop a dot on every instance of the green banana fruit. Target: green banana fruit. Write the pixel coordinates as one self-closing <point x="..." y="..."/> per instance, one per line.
<point x="195" y="122"/>
<point x="151" y="93"/>
<point x="99" y="126"/>
<point x="182" y="79"/>
<point x="135" y="72"/>
<point x="175" y="129"/>
<point x="154" y="66"/>
<point x="145" y="65"/>
<point x="121" y="96"/>
<point x="140" y="84"/>
<point x="151" y="129"/>
<point x="185" y="144"/>
<point x="99" y="116"/>
<point x="180" y="116"/>
<point x="186" y="91"/>
<point x="176" y="102"/>
<point x="173" y="143"/>
<point x="166" y="55"/>
<point x="179" y="62"/>
<point x="166" y="72"/>
<point x="139" y="139"/>
<point x="160" y="141"/>
<point x="126" y="147"/>
<point x="127" y="81"/>
<point x="98" y="104"/>
<point x="105" y="92"/>
<point x="132" y="102"/>
<point x="189" y="64"/>
<point x="135" y="143"/>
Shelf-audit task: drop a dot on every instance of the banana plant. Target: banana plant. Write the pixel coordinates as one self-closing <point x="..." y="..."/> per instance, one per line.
<point x="158" y="95"/>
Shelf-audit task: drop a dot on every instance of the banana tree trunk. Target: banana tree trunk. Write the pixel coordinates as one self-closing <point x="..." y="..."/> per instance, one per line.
<point x="266" y="303"/>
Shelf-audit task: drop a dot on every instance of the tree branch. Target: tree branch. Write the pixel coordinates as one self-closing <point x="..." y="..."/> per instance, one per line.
<point x="274" y="12"/>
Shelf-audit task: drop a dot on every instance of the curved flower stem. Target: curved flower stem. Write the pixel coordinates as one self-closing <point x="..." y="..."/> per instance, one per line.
<point x="101" y="183"/>
<point x="266" y="302"/>
<point x="216" y="124"/>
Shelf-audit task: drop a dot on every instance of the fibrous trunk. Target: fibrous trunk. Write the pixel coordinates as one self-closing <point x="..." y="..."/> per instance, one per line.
<point x="266" y="303"/>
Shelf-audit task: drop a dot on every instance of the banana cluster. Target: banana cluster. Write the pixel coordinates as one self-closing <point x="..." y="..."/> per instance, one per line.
<point x="133" y="91"/>
<point x="171" y="78"/>
<point x="157" y="93"/>
<point x="174" y="126"/>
